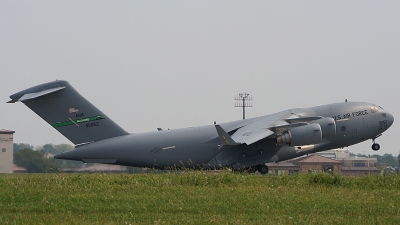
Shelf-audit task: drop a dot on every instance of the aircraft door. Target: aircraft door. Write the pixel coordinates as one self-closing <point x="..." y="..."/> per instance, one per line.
<point x="368" y="131"/>
<point x="363" y="131"/>
<point x="354" y="133"/>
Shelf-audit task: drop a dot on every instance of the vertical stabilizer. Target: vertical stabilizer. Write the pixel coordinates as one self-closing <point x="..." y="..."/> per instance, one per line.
<point x="60" y="105"/>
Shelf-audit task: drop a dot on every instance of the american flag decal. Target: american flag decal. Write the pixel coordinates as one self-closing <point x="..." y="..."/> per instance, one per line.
<point x="73" y="110"/>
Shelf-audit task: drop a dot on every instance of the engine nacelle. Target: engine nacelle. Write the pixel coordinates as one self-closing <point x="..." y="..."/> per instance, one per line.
<point x="328" y="126"/>
<point x="304" y="135"/>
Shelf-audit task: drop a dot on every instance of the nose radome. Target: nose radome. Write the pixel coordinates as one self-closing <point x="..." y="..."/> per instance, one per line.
<point x="390" y="118"/>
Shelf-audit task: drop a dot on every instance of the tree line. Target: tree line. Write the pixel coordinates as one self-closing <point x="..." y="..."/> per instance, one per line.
<point x="385" y="160"/>
<point x="41" y="160"/>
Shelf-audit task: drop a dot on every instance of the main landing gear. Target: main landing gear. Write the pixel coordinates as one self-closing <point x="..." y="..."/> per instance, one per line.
<point x="375" y="146"/>
<point x="263" y="169"/>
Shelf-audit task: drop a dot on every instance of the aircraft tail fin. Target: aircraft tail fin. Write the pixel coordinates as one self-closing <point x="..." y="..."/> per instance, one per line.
<point x="60" y="105"/>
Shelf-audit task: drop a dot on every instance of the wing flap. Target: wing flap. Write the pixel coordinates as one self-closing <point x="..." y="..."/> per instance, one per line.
<point x="259" y="136"/>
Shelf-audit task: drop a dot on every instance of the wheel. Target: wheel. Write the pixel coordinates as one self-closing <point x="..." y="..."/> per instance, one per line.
<point x="376" y="147"/>
<point x="241" y="170"/>
<point x="252" y="169"/>
<point x="263" y="169"/>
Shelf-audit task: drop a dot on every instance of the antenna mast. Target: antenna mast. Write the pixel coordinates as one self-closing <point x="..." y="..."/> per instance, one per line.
<point x="241" y="101"/>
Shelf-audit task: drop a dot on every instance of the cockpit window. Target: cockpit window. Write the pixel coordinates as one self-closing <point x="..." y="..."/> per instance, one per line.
<point x="374" y="109"/>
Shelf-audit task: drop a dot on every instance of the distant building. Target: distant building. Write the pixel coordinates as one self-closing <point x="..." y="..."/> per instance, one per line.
<point x="332" y="161"/>
<point x="309" y="164"/>
<point x="6" y="151"/>
<point x="343" y="155"/>
<point x="353" y="165"/>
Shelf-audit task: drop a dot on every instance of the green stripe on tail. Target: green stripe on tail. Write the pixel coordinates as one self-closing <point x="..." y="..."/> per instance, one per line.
<point x="77" y="122"/>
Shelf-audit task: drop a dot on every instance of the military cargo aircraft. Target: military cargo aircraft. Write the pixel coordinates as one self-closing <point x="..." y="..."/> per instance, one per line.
<point x="248" y="143"/>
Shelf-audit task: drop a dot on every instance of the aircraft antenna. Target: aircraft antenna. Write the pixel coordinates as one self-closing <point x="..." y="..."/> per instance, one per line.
<point x="243" y="102"/>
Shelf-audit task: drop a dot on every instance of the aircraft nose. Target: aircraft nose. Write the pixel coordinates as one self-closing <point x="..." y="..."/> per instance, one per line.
<point x="390" y="118"/>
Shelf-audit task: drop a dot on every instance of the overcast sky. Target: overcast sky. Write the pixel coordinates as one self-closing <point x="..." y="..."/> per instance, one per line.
<point x="173" y="64"/>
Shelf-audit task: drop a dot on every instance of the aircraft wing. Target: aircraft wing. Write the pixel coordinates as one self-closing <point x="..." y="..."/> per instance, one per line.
<point x="258" y="135"/>
<point x="261" y="128"/>
<point x="258" y="129"/>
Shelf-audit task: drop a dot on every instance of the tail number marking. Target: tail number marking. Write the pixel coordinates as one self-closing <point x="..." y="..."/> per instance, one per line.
<point x="94" y="124"/>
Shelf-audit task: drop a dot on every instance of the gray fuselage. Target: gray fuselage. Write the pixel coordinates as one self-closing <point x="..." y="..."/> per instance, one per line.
<point x="199" y="146"/>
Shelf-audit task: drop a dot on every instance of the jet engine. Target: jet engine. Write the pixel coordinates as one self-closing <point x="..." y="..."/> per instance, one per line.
<point x="328" y="126"/>
<point x="303" y="135"/>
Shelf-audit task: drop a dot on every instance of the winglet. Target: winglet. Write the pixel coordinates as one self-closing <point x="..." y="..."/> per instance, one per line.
<point x="226" y="140"/>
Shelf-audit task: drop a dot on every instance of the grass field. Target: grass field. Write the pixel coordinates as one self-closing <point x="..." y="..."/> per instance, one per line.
<point x="198" y="198"/>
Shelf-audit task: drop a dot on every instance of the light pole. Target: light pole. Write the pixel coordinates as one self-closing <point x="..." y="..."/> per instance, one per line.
<point x="241" y="102"/>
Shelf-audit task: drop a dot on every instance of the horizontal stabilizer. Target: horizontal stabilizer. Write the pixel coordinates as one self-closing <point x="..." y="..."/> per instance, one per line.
<point x="31" y="96"/>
